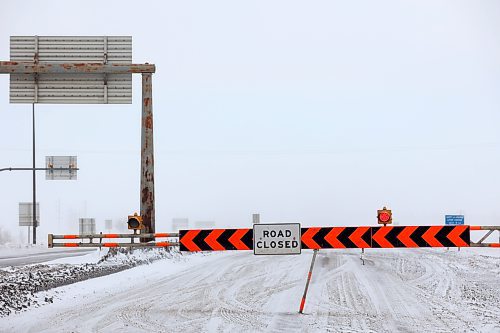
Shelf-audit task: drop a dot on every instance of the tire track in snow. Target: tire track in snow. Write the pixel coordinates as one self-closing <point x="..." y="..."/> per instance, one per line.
<point x="396" y="291"/>
<point x="438" y="289"/>
<point x="477" y="293"/>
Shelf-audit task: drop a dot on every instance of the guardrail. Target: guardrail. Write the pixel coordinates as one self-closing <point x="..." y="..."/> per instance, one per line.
<point x="99" y="237"/>
<point x="490" y="231"/>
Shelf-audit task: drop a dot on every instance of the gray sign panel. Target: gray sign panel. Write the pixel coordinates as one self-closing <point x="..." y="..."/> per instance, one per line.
<point x="55" y="163"/>
<point x="278" y="238"/>
<point x="204" y="224"/>
<point x="86" y="226"/>
<point x="26" y="214"/>
<point x="108" y="224"/>
<point x="179" y="223"/>
<point x="71" y="88"/>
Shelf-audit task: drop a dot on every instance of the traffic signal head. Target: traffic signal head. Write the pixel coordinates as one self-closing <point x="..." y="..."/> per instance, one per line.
<point x="135" y="222"/>
<point x="384" y="216"/>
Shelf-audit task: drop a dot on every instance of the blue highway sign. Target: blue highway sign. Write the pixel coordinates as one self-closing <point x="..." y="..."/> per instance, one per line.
<point x="454" y="219"/>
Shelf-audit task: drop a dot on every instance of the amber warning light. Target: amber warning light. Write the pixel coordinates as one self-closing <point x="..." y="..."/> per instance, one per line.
<point x="135" y="222"/>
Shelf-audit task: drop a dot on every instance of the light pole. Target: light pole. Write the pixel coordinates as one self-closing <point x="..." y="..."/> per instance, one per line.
<point x="34" y="179"/>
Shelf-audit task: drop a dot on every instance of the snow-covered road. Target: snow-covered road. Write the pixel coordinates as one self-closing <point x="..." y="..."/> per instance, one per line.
<point x="395" y="291"/>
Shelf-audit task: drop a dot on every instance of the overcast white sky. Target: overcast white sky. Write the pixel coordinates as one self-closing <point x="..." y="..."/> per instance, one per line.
<point x="317" y="112"/>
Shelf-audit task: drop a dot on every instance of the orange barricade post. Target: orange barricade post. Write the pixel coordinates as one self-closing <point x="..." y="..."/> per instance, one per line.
<point x="309" y="275"/>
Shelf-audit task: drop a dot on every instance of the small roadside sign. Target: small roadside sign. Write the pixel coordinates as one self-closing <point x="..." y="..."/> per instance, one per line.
<point x="454" y="219"/>
<point x="277" y="238"/>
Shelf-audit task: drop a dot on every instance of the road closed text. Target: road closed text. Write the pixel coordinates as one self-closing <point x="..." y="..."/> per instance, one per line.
<point x="277" y="238"/>
<point x="277" y="244"/>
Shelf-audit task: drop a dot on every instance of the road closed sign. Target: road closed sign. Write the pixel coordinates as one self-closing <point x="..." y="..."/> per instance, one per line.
<point x="278" y="238"/>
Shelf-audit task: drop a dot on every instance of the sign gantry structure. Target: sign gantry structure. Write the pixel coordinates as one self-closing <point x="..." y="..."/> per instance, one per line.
<point x="85" y="70"/>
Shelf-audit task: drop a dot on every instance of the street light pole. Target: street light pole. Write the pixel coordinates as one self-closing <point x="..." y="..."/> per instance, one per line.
<point x="34" y="179"/>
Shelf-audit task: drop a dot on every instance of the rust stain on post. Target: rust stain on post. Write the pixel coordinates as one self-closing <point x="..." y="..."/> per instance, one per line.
<point x="147" y="158"/>
<point x="144" y="195"/>
<point x="149" y="122"/>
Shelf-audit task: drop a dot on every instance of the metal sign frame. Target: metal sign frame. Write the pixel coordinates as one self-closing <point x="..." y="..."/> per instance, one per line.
<point x="61" y="167"/>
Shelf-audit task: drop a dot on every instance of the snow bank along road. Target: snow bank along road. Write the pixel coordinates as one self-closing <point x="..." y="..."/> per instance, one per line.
<point x="424" y="290"/>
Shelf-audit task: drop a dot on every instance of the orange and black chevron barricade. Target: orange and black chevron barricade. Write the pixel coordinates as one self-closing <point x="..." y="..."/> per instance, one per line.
<point x="334" y="238"/>
<point x="216" y="239"/>
<point x="421" y="236"/>
<point x="385" y="237"/>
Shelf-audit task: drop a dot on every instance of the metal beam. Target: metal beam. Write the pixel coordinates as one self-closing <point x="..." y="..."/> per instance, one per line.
<point x="26" y="67"/>
<point x="156" y="244"/>
<point x="482" y="227"/>
<point x="37" y="169"/>
<point x="485" y="236"/>
<point x="485" y="245"/>
<point x="98" y="236"/>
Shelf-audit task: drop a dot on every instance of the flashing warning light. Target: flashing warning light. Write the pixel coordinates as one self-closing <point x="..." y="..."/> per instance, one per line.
<point x="384" y="216"/>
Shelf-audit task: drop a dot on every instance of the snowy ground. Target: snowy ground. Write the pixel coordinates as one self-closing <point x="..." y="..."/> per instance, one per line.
<point x="430" y="290"/>
<point x="21" y="286"/>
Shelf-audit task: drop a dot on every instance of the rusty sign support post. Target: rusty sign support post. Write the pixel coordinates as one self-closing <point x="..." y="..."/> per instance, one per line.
<point x="147" y="158"/>
<point x="147" y="152"/>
